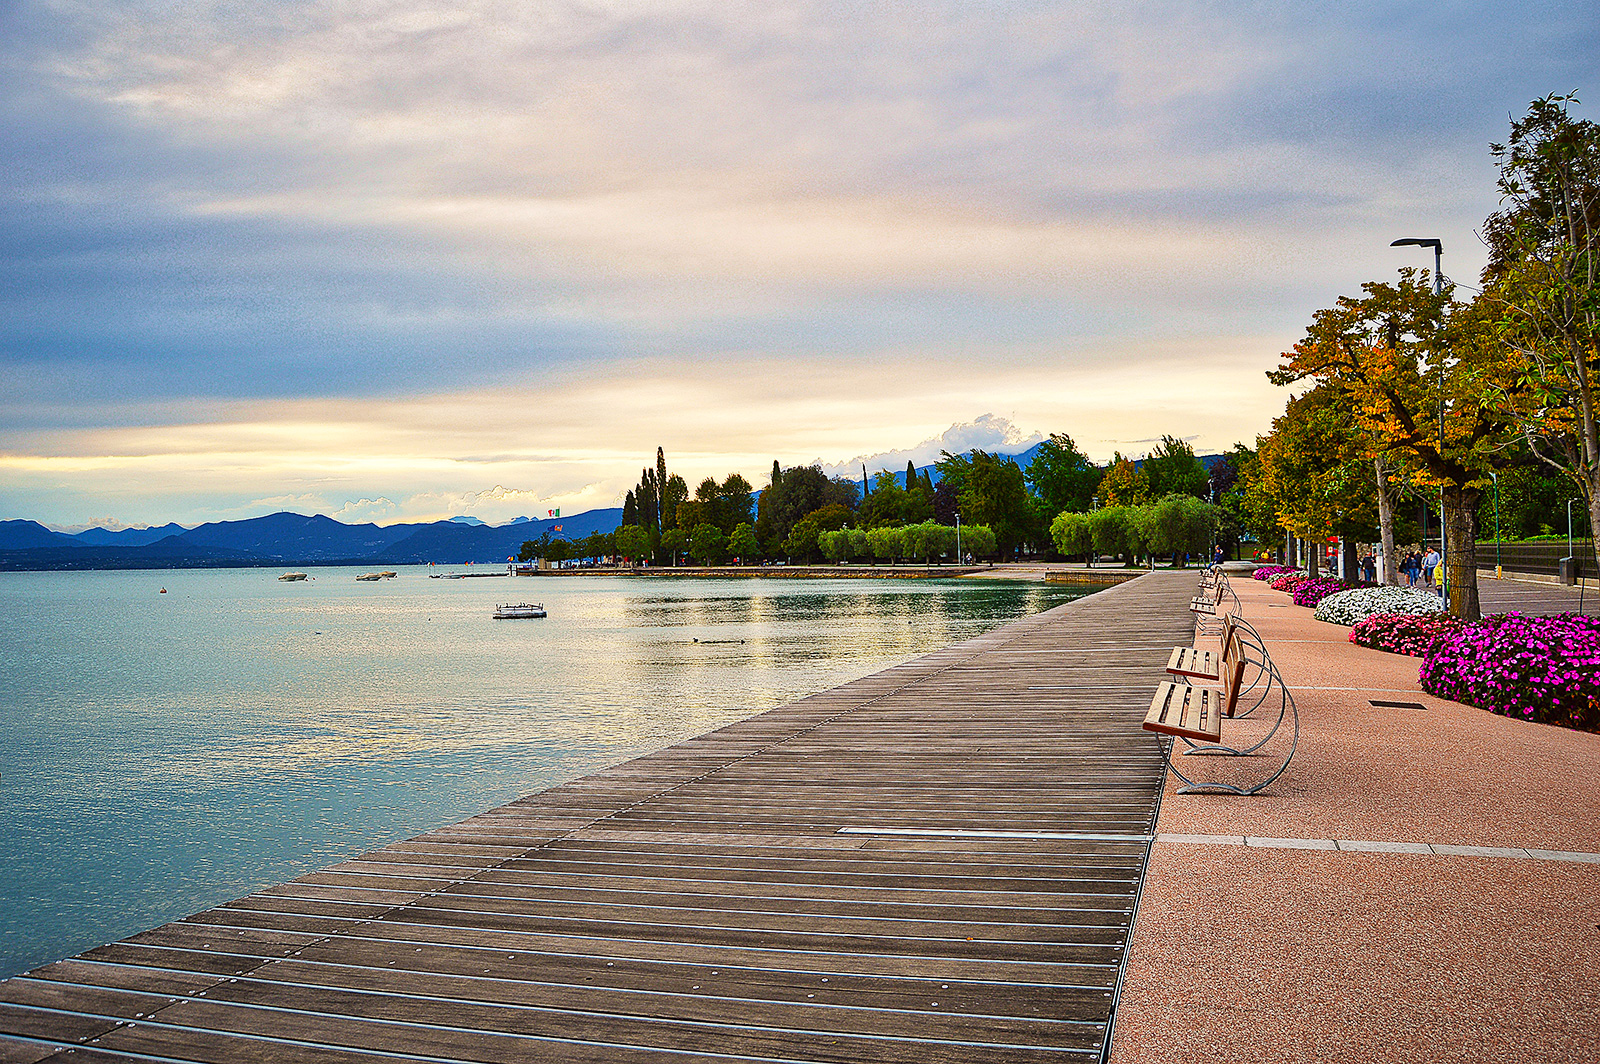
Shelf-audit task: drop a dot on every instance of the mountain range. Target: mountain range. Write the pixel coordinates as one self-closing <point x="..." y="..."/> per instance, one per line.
<point x="294" y="539"/>
<point x="283" y="539"/>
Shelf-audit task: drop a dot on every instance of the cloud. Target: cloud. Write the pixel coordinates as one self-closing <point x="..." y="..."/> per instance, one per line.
<point x="985" y="432"/>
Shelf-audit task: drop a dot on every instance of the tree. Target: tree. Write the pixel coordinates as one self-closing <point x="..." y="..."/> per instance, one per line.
<point x="559" y="551"/>
<point x="1540" y="286"/>
<point x="674" y="541"/>
<point x="1116" y="530"/>
<point x="742" y="544"/>
<point x="1124" y="484"/>
<point x="1178" y="525"/>
<point x="995" y="494"/>
<point x="632" y="542"/>
<point x="796" y="492"/>
<point x="1411" y="375"/>
<point x="979" y="541"/>
<point x="946" y="502"/>
<point x="1070" y="531"/>
<point x="1173" y="469"/>
<point x="708" y="545"/>
<point x="885" y="503"/>
<point x="535" y="548"/>
<point x="1063" y="476"/>
<point x="673" y="495"/>
<point x="630" y="509"/>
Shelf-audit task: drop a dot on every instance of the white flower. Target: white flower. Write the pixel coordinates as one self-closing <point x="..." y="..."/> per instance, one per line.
<point x="1357" y="604"/>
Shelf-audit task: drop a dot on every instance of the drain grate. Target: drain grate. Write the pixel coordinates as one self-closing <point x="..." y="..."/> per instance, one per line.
<point x="1396" y="705"/>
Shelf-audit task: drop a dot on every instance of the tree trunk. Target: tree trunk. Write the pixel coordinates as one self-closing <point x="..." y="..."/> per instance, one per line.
<point x="1391" y="562"/>
<point x="1594" y="540"/>
<point x="1311" y="552"/>
<point x="1461" y="566"/>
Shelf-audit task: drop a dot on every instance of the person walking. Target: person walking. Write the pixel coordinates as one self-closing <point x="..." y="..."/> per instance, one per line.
<point x="1430" y="563"/>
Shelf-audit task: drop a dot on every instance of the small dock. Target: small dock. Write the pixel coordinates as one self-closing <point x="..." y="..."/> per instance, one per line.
<point x="936" y="863"/>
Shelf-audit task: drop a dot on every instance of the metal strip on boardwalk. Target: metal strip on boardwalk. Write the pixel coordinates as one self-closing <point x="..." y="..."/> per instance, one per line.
<point x="938" y="862"/>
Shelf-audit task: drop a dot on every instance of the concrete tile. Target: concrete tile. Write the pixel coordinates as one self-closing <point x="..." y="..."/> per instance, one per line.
<point x="1215" y="840"/>
<point x="1565" y="855"/>
<point x="1290" y="844"/>
<point x="1366" y="846"/>
<point x="1480" y="851"/>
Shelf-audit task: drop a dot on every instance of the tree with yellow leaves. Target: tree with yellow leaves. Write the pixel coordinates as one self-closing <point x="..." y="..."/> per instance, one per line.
<point x="1410" y="371"/>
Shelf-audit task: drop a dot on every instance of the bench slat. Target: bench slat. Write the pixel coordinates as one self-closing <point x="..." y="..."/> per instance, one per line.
<point x="1200" y="664"/>
<point x="1190" y="712"/>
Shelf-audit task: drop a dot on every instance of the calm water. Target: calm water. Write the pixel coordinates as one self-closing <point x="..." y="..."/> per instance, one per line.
<point x="164" y="753"/>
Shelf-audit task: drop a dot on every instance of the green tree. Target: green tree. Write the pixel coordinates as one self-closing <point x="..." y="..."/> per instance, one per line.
<point x="673" y="495"/>
<point x="1116" y="530"/>
<point x="995" y="494"/>
<point x="1070" y="531"/>
<point x="979" y="541"/>
<point x="559" y="551"/>
<point x="1178" y="525"/>
<point x="743" y="543"/>
<point x="885" y="503"/>
<point x="674" y="542"/>
<point x="1541" y="293"/>
<point x="885" y="542"/>
<point x="535" y="548"/>
<point x="1062" y="476"/>
<point x="708" y="545"/>
<point x="1173" y="469"/>
<point x="632" y="542"/>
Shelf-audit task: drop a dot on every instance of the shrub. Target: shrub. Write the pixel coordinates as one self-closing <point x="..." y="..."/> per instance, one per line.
<point x="1403" y="633"/>
<point x="1543" y="669"/>
<point x="1268" y="572"/>
<point x="1311" y="591"/>
<point x="1359" y="603"/>
<point x="1288" y="581"/>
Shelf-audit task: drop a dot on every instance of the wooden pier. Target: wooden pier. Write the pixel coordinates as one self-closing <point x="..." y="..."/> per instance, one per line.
<point x="936" y="863"/>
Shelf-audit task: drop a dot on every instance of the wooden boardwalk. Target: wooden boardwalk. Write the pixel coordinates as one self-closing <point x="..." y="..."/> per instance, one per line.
<point x="938" y="862"/>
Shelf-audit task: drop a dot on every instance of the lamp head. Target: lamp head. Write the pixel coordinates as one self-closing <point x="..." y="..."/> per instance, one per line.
<point x="1420" y="242"/>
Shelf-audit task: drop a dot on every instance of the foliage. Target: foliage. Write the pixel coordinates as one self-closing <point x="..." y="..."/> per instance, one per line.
<point x="1541" y="292"/>
<point x="632" y="541"/>
<point x="1316" y="468"/>
<point x="742" y="544"/>
<point x="674" y="541"/>
<point x="980" y="541"/>
<point x="1357" y="604"/>
<point x="1124" y="484"/>
<point x="707" y="544"/>
<point x="1062" y="476"/>
<point x="1071" y="533"/>
<point x="1403" y="633"/>
<point x="1177" y="525"/>
<point x="994" y="493"/>
<point x="1173" y="469"/>
<point x="1542" y="669"/>
<point x="793" y="494"/>
<point x="1117" y="530"/>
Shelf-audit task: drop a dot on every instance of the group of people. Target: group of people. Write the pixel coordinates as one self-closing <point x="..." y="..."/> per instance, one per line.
<point x="1419" y="568"/>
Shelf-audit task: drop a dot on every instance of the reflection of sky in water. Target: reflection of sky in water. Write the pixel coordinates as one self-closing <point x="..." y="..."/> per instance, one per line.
<point x="164" y="753"/>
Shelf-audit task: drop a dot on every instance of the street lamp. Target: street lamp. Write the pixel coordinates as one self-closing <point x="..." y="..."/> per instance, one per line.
<point x="961" y="559"/>
<point x="1438" y="287"/>
<point x="1494" y="475"/>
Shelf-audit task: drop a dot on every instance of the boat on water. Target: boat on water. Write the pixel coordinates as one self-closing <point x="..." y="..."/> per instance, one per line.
<point x="512" y="611"/>
<point x="370" y="576"/>
<point x="292" y="576"/>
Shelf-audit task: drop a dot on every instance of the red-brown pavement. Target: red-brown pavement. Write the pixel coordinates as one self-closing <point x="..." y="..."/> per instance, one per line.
<point x="1261" y="942"/>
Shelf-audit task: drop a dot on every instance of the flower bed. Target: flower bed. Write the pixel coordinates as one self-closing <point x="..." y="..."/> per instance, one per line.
<point x="1267" y="572"/>
<point x="1288" y="581"/>
<point x="1359" y="603"/>
<point x="1311" y="591"/>
<point x="1543" y="669"/>
<point x="1403" y="633"/>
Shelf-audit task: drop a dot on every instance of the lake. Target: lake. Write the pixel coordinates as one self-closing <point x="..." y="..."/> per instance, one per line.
<point x="165" y="753"/>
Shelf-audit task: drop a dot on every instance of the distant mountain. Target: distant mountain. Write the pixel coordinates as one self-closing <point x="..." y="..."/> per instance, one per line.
<point x="127" y="537"/>
<point x="30" y="535"/>
<point x="285" y="539"/>
<point x="466" y="519"/>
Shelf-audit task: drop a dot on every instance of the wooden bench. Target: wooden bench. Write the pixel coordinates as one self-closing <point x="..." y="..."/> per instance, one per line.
<point x="1190" y="712"/>
<point x="1196" y="664"/>
<point x="1193" y="715"/>
<point x="1214" y="591"/>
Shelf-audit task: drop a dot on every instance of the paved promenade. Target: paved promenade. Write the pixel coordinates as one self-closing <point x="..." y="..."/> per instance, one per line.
<point x="1421" y="885"/>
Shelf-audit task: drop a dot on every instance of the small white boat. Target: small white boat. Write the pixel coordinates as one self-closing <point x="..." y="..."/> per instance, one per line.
<point x="292" y="576"/>
<point x="508" y="611"/>
<point x="370" y="576"/>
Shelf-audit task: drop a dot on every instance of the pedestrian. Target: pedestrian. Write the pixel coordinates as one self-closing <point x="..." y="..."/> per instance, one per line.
<point x="1430" y="563"/>
<point x="1369" y="569"/>
<point x="1216" y="555"/>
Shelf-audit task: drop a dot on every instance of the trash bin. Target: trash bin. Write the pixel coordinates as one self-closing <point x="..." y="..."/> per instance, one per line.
<point x="1568" y="573"/>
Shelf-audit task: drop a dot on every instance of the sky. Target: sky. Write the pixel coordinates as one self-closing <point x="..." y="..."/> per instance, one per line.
<point x="400" y="260"/>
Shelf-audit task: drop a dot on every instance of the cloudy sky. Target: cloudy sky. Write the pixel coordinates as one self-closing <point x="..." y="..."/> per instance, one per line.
<point x="400" y="259"/>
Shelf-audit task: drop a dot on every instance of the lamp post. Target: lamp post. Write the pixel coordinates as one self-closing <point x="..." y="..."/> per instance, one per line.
<point x="961" y="559"/>
<point x="1438" y="287"/>
<point x="1494" y="475"/>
